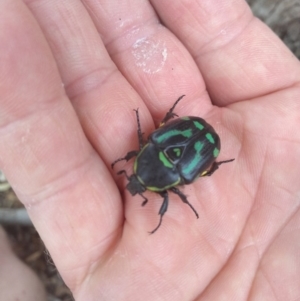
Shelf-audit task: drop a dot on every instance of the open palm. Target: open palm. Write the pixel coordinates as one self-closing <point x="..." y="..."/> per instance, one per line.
<point x="70" y="77"/>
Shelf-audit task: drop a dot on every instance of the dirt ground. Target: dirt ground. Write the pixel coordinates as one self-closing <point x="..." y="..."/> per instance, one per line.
<point x="28" y="246"/>
<point x="283" y="16"/>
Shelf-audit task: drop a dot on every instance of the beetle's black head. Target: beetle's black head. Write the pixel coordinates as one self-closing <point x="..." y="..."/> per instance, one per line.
<point x="134" y="186"/>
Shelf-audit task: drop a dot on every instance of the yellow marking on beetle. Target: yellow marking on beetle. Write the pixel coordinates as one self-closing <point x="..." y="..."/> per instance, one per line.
<point x="163" y="188"/>
<point x="204" y="173"/>
<point x="140" y="180"/>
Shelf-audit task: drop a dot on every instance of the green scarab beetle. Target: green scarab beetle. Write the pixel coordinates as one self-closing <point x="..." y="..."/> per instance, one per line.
<point x="177" y="153"/>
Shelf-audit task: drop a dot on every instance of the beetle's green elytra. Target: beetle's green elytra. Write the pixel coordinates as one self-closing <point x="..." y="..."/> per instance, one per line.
<point x="174" y="133"/>
<point x="216" y="152"/>
<point x="210" y="138"/>
<point x="198" y="146"/>
<point x="177" y="153"/>
<point x="198" y="125"/>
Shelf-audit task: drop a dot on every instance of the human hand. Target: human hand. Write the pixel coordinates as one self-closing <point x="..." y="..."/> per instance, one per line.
<point x="58" y="141"/>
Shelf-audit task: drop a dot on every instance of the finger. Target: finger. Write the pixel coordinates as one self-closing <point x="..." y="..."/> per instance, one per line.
<point x="154" y="62"/>
<point x="239" y="56"/>
<point x="44" y="153"/>
<point x="101" y="96"/>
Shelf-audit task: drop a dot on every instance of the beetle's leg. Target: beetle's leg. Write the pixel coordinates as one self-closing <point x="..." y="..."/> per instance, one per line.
<point x="124" y="172"/>
<point x="141" y="143"/>
<point x="127" y="157"/>
<point x="170" y="113"/>
<point x="184" y="199"/>
<point x="163" y="209"/>
<point x="145" y="199"/>
<point x="214" y="167"/>
<point x="139" y="130"/>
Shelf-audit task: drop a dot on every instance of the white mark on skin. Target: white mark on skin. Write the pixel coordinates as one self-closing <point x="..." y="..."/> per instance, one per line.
<point x="150" y="55"/>
<point x="165" y="54"/>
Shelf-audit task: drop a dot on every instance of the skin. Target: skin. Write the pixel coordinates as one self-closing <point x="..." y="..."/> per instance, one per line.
<point x="70" y="77"/>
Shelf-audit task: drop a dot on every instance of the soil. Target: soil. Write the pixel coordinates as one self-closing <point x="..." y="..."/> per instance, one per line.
<point x="28" y="246"/>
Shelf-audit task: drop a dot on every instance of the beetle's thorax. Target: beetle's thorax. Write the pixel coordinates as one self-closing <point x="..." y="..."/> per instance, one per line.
<point x="153" y="169"/>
